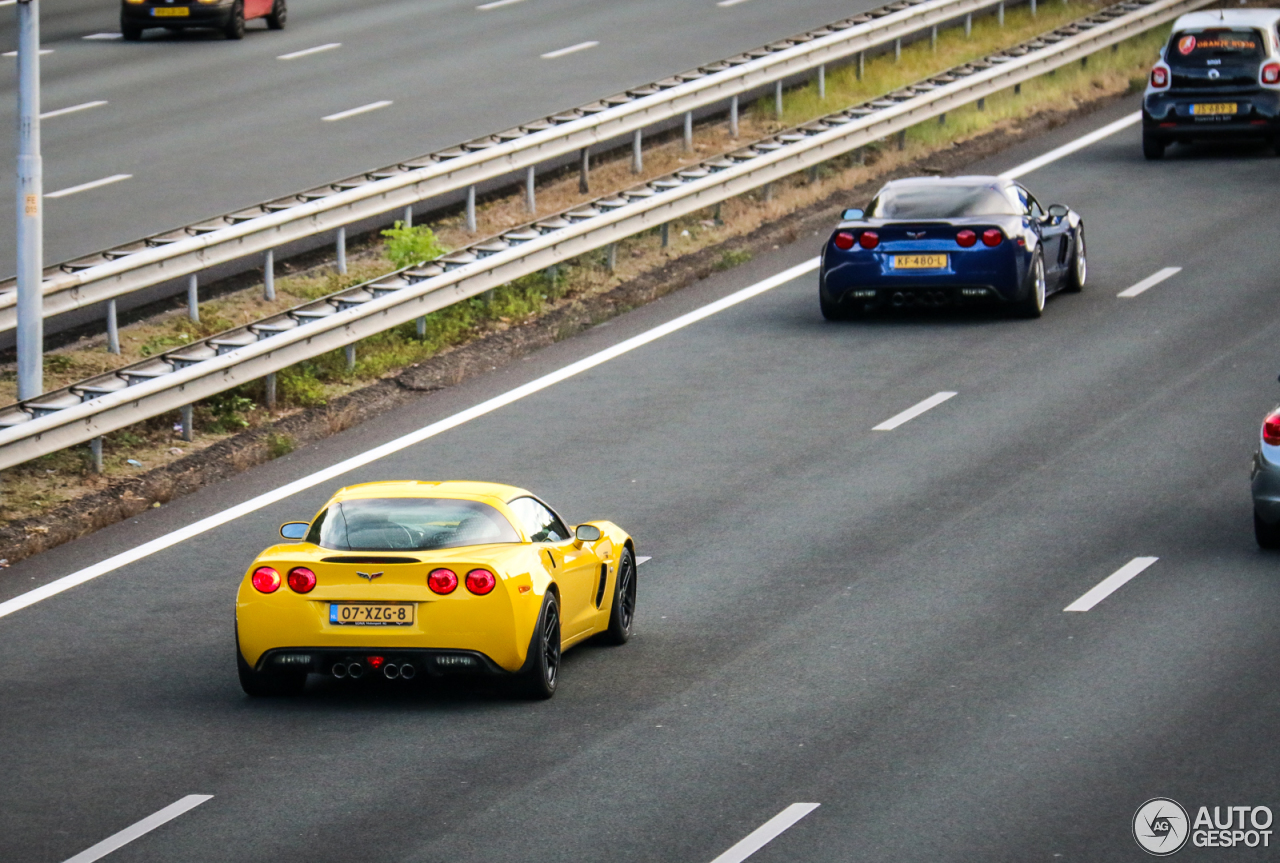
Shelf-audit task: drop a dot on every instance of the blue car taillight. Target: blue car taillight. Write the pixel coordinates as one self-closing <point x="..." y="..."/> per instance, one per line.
<point x="992" y="237"/>
<point x="843" y="241"/>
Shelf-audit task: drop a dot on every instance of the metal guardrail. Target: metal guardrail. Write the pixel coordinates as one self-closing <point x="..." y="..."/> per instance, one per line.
<point x="109" y="402"/>
<point x="124" y="269"/>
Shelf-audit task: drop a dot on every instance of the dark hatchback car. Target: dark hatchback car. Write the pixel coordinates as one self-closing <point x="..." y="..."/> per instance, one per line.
<point x="937" y="242"/>
<point x="227" y="16"/>
<point x="1219" y="77"/>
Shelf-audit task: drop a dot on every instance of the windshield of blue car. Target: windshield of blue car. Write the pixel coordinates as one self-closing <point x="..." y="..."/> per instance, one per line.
<point x="1199" y="48"/>
<point x="939" y="201"/>
<point x="409" y="524"/>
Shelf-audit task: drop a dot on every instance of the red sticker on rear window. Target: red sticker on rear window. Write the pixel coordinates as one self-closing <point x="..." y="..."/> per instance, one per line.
<point x="1186" y="45"/>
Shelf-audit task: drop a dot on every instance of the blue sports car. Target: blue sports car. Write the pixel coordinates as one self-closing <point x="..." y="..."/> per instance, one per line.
<point x="932" y="242"/>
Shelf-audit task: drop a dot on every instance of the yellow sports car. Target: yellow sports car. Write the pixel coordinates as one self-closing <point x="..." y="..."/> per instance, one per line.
<point x="405" y="578"/>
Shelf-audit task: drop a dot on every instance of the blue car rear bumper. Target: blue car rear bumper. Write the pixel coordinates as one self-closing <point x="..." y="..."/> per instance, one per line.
<point x="871" y="280"/>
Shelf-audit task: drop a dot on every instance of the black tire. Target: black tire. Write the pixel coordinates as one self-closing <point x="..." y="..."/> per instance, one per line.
<point x="541" y="673"/>
<point x="1152" y="146"/>
<point x="235" y="27"/>
<point x="278" y="16"/>
<point x="622" y="613"/>
<point x="1032" y="303"/>
<point x="835" y="311"/>
<point x="1079" y="265"/>
<point x="268" y="684"/>
<point x="1267" y="535"/>
<point x="130" y="32"/>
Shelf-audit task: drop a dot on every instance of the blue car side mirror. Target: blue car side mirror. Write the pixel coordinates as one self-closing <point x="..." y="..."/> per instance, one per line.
<point x="852" y="214"/>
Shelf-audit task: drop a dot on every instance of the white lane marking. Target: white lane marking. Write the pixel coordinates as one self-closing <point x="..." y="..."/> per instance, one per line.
<point x="572" y="49"/>
<point x="146" y="825"/>
<point x="730" y="2"/>
<point x="1150" y="281"/>
<point x="1111" y="584"/>
<point x="160" y="543"/>
<point x="496" y="4"/>
<point x="84" y="187"/>
<point x="42" y="52"/>
<point x="83" y="106"/>
<point x="642" y="558"/>
<point x="7" y="2"/>
<point x="912" y="412"/>
<point x="766" y="833"/>
<point x="293" y="55"/>
<point x="372" y="106"/>
<point x="1078" y="144"/>
<point x="103" y="36"/>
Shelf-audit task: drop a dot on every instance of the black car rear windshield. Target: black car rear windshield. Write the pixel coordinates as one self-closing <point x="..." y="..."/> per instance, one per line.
<point x="939" y="202"/>
<point x="1229" y="44"/>
<point x="409" y="524"/>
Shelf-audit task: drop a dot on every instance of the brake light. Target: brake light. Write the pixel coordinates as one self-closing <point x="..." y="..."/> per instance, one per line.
<point x="376" y="662"/>
<point x="869" y="240"/>
<point x="1271" y="73"/>
<point x="844" y="240"/>
<point x="301" y="580"/>
<point x="442" y="581"/>
<point x="1159" y="77"/>
<point x="1271" y="429"/>
<point x="966" y="238"/>
<point x="992" y="237"/>
<point x="480" y="581"/>
<point x="265" y="580"/>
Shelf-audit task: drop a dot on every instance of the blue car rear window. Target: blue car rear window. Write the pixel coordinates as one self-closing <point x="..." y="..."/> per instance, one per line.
<point x="409" y="524"/>
<point x="939" y="202"/>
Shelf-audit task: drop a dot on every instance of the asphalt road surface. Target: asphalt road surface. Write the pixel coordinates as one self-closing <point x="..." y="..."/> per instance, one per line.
<point x="872" y="621"/>
<point x="203" y="126"/>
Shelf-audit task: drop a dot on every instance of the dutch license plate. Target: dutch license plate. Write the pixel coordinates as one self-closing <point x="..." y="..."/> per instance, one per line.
<point x="371" y="614"/>
<point x="919" y="262"/>
<point x="170" y="12"/>
<point x="1201" y="110"/>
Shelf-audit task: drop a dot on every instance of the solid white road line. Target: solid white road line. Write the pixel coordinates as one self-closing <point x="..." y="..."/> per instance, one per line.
<point x="372" y="106"/>
<point x="146" y="825"/>
<point x="328" y="46"/>
<point x="7" y="2"/>
<point x="766" y="833"/>
<point x="103" y="36"/>
<point x="1111" y="584"/>
<point x="84" y="187"/>
<point x="572" y="49"/>
<point x="1150" y="282"/>
<point x="81" y="107"/>
<point x="41" y="52"/>
<point x="483" y="7"/>
<point x="1078" y="144"/>
<point x="160" y="543"/>
<point x="912" y="412"/>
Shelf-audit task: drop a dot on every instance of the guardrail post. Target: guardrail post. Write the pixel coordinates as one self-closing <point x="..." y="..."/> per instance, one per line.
<point x="688" y="130"/>
<point x="666" y="234"/>
<point x="611" y="257"/>
<point x="186" y="413"/>
<point x="342" y="250"/>
<point x="777" y="98"/>
<point x="733" y="117"/>
<point x="933" y="38"/>
<point x="813" y="174"/>
<point x="637" y="158"/>
<point x="968" y="24"/>
<point x="408" y="216"/>
<point x="584" y="168"/>
<point x="1033" y="8"/>
<point x="530" y="199"/>
<point x="897" y="49"/>
<point x="350" y="351"/>
<point x="768" y="192"/>
<point x="902" y="139"/>
<point x="1084" y="62"/>
<point x="422" y="328"/>
<point x="716" y="216"/>
<point x="269" y="275"/>
<point x="861" y="64"/>
<point x="942" y="119"/>
<point x="1017" y="89"/>
<point x="1000" y="13"/>
<point x="193" y="298"/>
<point x="822" y="81"/>
<point x="271" y="391"/>
<point x="113" y="328"/>
<point x="471" y="209"/>
<point x="95" y="452"/>
<point x="982" y="104"/>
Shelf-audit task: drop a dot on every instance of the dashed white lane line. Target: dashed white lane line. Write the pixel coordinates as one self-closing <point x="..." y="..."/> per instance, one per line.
<point x="103" y="36"/>
<point x="363" y="109"/>
<point x="7" y="2"/>
<point x="1111" y="584"/>
<point x="1150" y="282"/>
<point x="306" y="52"/>
<point x="484" y="7"/>
<point x="1078" y="144"/>
<point x="642" y="558"/>
<point x="42" y="52"/>
<point x="730" y="2"/>
<point x="766" y="833"/>
<point x="146" y="825"/>
<point x="369" y="456"/>
<point x="83" y="106"/>
<point x="572" y="49"/>
<point x="912" y="412"/>
<point x="84" y="187"/>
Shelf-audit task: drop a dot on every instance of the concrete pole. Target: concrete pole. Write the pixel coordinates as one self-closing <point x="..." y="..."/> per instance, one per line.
<point x="611" y="258"/>
<point x="342" y="250"/>
<point x="471" y="209"/>
<point x="530" y="197"/>
<point x="269" y="275"/>
<point x="584" y="170"/>
<point x="113" y="328"/>
<point x="30" y="197"/>
<point x="777" y="98"/>
<point x="95" y="449"/>
<point x="637" y="157"/>
<point x="271" y="391"/>
<point x="187" y="421"/>
<point x="193" y="298"/>
<point x="350" y="351"/>
<point x="408" y="217"/>
<point x="688" y="130"/>
<point x="733" y="117"/>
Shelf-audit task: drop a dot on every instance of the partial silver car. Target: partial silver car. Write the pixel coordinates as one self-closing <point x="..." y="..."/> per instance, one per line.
<point x="1266" y="483"/>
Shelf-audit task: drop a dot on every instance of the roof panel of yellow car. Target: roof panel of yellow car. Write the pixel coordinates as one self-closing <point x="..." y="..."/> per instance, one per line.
<point x="420" y="488"/>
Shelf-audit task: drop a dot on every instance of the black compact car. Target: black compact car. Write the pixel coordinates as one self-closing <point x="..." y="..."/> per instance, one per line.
<point x="1219" y="77"/>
